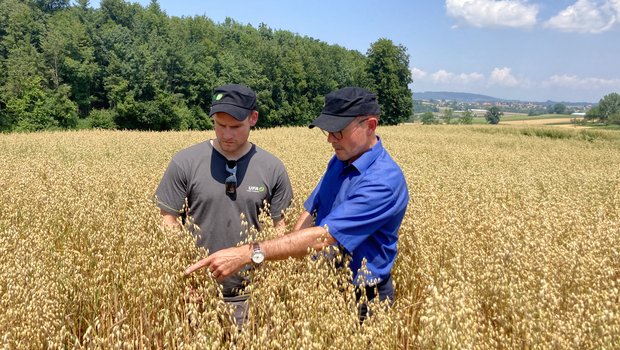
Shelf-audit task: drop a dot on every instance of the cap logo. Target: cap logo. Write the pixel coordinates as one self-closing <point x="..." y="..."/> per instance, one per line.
<point x="218" y="97"/>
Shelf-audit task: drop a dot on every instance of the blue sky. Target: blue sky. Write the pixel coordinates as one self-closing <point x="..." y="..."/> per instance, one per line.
<point x="562" y="50"/>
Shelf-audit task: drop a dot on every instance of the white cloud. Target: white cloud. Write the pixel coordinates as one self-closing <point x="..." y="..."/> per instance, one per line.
<point x="491" y="13"/>
<point x="587" y="16"/>
<point x="442" y="77"/>
<point x="575" y="82"/>
<point x="418" y="73"/>
<point x="503" y="76"/>
<point x="502" y="82"/>
<point x="469" y="78"/>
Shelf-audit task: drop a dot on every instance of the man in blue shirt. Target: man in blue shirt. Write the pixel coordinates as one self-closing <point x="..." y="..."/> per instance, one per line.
<point x="359" y="203"/>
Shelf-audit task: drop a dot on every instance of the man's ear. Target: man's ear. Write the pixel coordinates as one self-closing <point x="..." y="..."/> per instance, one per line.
<point x="372" y="123"/>
<point x="253" y="118"/>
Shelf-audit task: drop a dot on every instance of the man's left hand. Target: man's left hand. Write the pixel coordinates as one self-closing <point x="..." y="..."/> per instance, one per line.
<point x="223" y="263"/>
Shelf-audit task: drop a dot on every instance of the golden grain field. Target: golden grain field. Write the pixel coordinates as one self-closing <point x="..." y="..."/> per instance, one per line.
<point x="556" y="122"/>
<point x="511" y="240"/>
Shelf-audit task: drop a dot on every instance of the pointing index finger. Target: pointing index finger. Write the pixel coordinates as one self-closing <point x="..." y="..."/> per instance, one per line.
<point x="198" y="265"/>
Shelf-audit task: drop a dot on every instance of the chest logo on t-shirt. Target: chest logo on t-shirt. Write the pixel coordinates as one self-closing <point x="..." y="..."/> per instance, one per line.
<point x="256" y="189"/>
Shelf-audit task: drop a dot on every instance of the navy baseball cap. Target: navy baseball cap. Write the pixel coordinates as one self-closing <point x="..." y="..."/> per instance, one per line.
<point x="234" y="99"/>
<point x="344" y="105"/>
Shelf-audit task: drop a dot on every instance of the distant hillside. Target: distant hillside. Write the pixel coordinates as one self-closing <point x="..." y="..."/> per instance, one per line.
<point x="477" y="98"/>
<point x="454" y="96"/>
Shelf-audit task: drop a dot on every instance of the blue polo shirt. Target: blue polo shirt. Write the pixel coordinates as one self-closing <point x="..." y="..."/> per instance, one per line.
<point x="363" y="205"/>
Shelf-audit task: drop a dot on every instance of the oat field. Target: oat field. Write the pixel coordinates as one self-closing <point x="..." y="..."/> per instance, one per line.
<point x="511" y="240"/>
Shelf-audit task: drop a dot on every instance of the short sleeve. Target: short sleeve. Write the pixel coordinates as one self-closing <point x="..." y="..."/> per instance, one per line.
<point x="282" y="193"/>
<point x="311" y="204"/>
<point x="172" y="190"/>
<point x="365" y="210"/>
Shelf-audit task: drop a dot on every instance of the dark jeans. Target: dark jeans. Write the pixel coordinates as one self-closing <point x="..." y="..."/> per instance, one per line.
<point x="385" y="290"/>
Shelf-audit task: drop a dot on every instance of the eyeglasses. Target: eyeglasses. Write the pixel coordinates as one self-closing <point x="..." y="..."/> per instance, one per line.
<point x="231" y="180"/>
<point x="338" y="134"/>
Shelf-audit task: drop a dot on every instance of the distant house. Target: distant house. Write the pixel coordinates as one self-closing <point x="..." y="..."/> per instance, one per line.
<point x="578" y="114"/>
<point x="479" y="112"/>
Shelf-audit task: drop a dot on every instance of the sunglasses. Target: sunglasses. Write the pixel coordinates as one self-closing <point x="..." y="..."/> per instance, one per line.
<point x="231" y="180"/>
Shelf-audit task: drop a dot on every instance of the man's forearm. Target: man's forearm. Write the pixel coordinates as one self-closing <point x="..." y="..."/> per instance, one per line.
<point x="226" y="262"/>
<point x="297" y="243"/>
<point x="304" y="221"/>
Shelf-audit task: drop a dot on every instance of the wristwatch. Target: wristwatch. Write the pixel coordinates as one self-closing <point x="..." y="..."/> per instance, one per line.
<point x="257" y="254"/>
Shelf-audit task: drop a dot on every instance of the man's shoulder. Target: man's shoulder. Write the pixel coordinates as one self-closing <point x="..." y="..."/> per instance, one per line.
<point x="266" y="156"/>
<point x="387" y="180"/>
<point x="196" y="151"/>
<point x="386" y="169"/>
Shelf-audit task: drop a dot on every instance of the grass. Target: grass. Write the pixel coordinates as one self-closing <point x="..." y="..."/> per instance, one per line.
<point x="510" y="241"/>
<point x="553" y="133"/>
<point x="509" y="117"/>
<point x="505" y="118"/>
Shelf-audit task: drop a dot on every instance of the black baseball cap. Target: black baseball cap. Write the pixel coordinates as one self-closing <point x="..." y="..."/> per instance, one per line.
<point x="234" y="99"/>
<point x="344" y="105"/>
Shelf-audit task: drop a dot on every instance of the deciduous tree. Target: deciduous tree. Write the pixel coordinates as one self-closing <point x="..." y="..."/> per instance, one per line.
<point x="559" y="108"/>
<point x="608" y="106"/>
<point x="447" y="115"/>
<point x="466" y="118"/>
<point x="493" y="115"/>
<point x="390" y="76"/>
<point x="428" y="118"/>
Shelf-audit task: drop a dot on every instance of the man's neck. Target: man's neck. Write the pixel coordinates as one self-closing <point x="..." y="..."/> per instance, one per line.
<point x="240" y="152"/>
<point x="372" y="142"/>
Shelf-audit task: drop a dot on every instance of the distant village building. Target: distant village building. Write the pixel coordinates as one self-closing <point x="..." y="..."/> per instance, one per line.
<point x="479" y="112"/>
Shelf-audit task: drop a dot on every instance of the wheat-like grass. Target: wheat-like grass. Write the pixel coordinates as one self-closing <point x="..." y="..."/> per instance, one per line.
<point x="511" y="240"/>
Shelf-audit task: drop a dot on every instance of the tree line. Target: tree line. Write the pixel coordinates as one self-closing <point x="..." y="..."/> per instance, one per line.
<point x="126" y="66"/>
<point x="607" y="110"/>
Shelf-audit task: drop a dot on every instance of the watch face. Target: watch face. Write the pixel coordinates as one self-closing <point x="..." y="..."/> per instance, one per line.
<point x="258" y="257"/>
